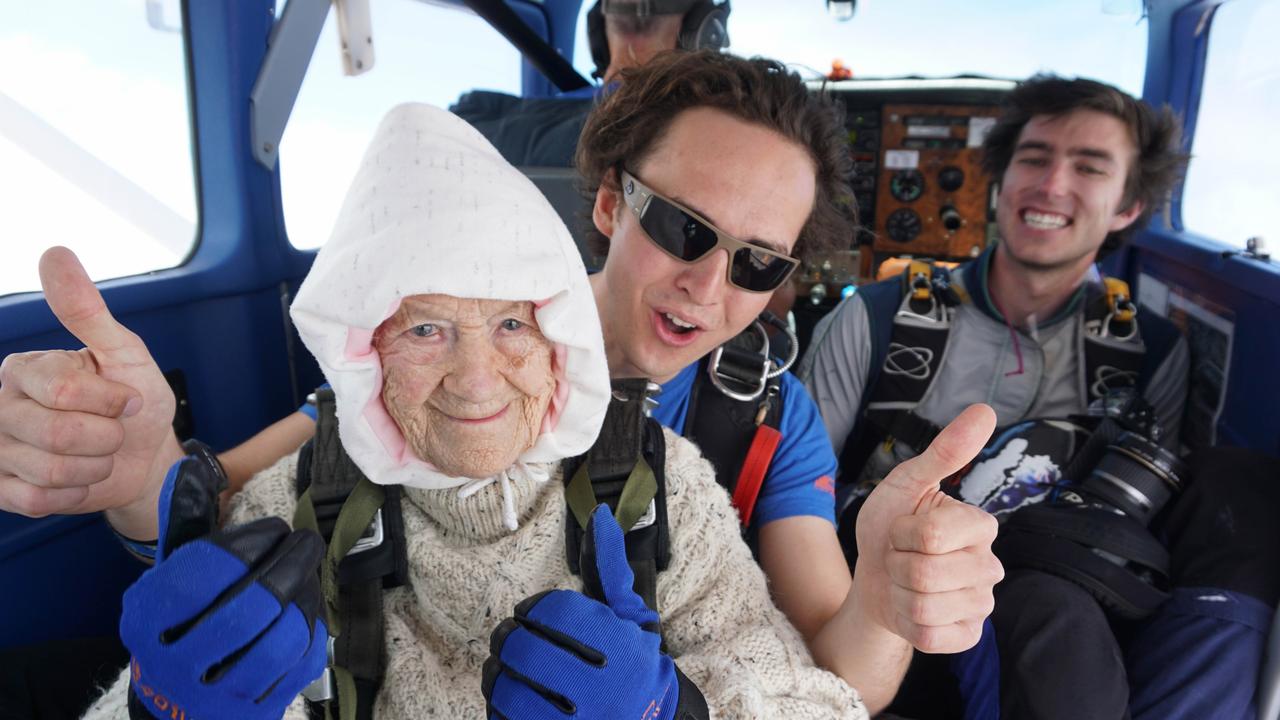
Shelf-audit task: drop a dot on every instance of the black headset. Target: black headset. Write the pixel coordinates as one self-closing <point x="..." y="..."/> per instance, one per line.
<point x="705" y="25"/>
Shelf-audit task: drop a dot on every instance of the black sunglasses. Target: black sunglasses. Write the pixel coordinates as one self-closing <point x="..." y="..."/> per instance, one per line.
<point x="687" y="237"/>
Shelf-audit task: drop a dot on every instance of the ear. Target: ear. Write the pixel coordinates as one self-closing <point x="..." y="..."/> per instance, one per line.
<point x="1125" y="218"/>
<point x="605" y="213"/>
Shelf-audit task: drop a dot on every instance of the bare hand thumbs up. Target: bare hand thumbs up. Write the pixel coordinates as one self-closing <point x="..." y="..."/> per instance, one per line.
<point x="83" y="431"/>
<point x="925" y="564"/>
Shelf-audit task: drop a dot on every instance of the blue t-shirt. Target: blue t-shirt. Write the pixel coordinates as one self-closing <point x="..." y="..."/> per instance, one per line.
<point x="800" y="478"/>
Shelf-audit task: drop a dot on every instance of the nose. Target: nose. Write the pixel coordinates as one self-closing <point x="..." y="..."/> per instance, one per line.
<point x="475" y="369"/>
<point x="1055" y="178"/>
<point x="705" y="280"/>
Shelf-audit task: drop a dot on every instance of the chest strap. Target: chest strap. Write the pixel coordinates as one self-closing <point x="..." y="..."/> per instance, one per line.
<point x="909" y="343"/>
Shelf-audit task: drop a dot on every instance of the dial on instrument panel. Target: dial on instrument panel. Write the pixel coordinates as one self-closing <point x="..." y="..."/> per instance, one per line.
<point x="903" y="225"/>
<point x="907" y="185"/>
<point x="950" y="178"/>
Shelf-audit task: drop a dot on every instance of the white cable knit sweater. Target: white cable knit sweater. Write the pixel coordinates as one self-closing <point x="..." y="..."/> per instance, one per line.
<point x="468" y="572"/>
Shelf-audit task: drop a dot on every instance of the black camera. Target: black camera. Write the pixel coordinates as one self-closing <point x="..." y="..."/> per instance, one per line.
<point x="1136" y="476"/>
<point x="1095" y="531"/>
<point x="1122" y="466"/>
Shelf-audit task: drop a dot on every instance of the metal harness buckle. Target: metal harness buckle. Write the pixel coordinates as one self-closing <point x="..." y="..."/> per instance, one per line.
<point x="321" y="689"/>
<point x="372" y="536"/>
<point x="649" y="517"/>
<point x="713" y="370"/>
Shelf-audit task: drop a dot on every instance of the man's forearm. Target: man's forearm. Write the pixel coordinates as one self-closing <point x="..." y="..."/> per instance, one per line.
<point x="867" y="655"/>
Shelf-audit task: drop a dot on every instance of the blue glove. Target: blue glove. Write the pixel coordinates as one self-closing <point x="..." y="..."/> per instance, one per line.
<point x="565" y="654"/>
<point x="225" y="625"/>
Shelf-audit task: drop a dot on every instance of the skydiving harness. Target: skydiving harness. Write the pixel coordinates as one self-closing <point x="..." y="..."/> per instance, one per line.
<point x="1113" y="557"/>
<point x="910" y="331"/>
<point x="735" y="411"/>
<point x="363" y="528"/>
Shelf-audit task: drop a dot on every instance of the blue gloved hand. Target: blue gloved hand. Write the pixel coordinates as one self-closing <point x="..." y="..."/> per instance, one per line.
<point x="225" y="625"/>
<point x="565" y="654"/>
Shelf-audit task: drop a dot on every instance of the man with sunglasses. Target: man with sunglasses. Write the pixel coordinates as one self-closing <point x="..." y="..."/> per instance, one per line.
<point x="711" y="175"/>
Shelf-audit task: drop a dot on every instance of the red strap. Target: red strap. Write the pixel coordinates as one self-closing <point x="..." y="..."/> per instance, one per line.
<point x="759" y="455"/>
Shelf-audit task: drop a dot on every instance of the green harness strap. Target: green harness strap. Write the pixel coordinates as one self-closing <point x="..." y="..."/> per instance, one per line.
<point x="356" y="515"/>
<point x="640" y="489"/>
<point x="353" y="605"/>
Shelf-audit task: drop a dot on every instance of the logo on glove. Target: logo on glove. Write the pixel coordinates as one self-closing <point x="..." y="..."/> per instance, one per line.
<point x="157" y="701"/>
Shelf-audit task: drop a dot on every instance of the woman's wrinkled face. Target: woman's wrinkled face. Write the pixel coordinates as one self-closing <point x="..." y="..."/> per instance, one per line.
<point x="467" y="381"/>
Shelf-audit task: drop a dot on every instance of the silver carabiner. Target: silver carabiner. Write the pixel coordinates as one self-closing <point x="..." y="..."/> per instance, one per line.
<point x="713" y="369"/>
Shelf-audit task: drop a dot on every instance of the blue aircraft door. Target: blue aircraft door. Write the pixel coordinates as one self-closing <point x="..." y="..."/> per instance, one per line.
<point x="216" y="324"/>
<point x="1208" y="60"/>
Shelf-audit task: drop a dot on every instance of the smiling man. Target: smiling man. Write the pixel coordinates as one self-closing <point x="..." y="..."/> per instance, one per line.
<point x="1027" y="328"/>
<point x="1081" y="166"/>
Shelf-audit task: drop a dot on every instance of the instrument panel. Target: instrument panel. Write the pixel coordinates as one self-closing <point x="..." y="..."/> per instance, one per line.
<point x="932" y="196"/>
<point x="918" y="182"/>
<point x="916" y="146"/>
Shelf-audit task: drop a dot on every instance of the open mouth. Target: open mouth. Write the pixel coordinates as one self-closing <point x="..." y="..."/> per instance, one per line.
<point x="1042" y="220"/>
<point x="674" y="329"/>
<point x="678" y="325"/>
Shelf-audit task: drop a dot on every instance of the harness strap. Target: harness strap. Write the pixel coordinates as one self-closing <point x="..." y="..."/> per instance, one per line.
<point x="355" y="518"/>
<point x="1113" y="348"/>
<point x="365" y="551"/>
<point x="763" y="446"/>
<point x="918" y="320"/>
<point x="623" y="469"/>
<point x="904" y="426"/>
<point x="881" y="300"/>
<point x="638" y="491"/>
<point x="1061" y="540"/>
<point x="728" y="431"/>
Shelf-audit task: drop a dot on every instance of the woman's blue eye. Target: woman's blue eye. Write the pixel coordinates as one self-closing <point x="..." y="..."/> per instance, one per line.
<point x="512" y="324"/>
<point x="424" y="330"/>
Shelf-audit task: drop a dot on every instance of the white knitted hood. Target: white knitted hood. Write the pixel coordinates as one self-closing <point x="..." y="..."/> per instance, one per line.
<point x="435" y="209"/>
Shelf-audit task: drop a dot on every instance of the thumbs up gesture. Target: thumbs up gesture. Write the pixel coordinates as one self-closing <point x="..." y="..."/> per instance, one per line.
<point x="565" y="654"/>
<point x="85" y="430"/>
<point x="925" y="568"/>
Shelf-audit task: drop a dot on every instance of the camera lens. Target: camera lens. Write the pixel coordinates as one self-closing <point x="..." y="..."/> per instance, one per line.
<point x="1136" y="476"/>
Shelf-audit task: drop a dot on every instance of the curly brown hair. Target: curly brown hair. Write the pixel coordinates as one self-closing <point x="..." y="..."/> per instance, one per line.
<point x="1156" y="135"/>
<point x="625" y="128"/>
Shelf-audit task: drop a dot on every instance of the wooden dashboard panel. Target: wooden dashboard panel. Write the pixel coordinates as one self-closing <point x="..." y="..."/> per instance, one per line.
<point x="932" y="197"/>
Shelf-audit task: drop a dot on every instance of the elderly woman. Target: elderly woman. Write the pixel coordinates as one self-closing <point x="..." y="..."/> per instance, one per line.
<point x="451" y="314"/>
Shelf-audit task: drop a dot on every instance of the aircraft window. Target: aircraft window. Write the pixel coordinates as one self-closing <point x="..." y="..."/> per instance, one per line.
<point x="422" y="53"/>
<point x="1234" y="176"/>
<point x="1103" y="39"/>
<point x="94" y="141"/>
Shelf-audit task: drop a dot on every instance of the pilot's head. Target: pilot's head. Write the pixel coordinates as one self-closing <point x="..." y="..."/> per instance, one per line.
<point x="1081" y="166"/>
<point x="710" y="175"/>
<point x="628" y="33"/>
